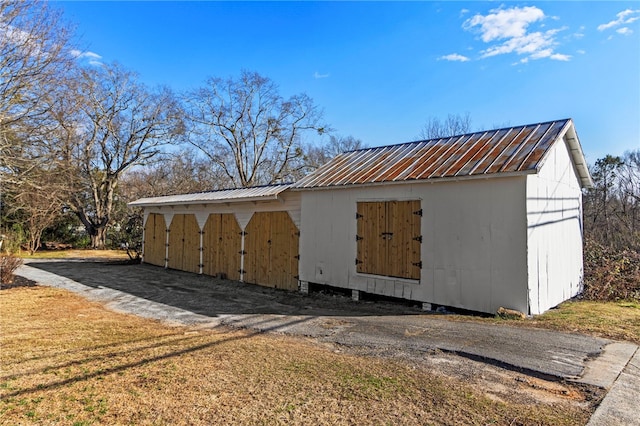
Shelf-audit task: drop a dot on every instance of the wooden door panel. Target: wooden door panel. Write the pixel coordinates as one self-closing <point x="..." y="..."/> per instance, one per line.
<point x="371" y="241"/>
<point x="230" y="246"/>
<point x="191" y="244"/>
<point x="154" y="240"/>
<point x="176" y="237"/>
<point x="257" y="247"/>
<point x="283" y="270"/>
<point x="210" y="245"/>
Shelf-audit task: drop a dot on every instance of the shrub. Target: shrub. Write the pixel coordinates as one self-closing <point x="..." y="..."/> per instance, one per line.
<point x="610" y="274"/>
<point x="8" y="265"/>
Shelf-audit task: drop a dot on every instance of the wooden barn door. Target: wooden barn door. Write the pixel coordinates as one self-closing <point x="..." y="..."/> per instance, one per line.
<point x="155" y="239"/>
<point x="221" y="246"/>
<point x="389" y="238"/>
<point x="184" y="243"/>
<point x="271" y="246"/>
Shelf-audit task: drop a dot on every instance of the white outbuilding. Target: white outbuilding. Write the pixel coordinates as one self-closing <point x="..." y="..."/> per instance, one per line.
<point x="478" y="221"/>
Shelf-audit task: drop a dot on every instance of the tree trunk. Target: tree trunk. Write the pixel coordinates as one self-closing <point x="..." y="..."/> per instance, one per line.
<point x="98" y="237"/>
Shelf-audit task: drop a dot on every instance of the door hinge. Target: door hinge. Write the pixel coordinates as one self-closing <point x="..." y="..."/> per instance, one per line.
<point x="418" y="212"/>
<point x="358" y="216"/>
<point x="243" y="252"/>
<point x="418" y="239"/>
<point x="358" y="238"/>
<point x="242" y="271"/>
<point x="297" y="256"/>
<point x="418" y="264"/>
<point x="243" y="233"/>
<point x="358" y="262"/>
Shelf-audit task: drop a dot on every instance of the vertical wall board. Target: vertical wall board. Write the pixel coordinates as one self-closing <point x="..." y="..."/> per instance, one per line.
<point x="176" y="241"/>
<point x="210" y="244"/>
<point x="256" y="246"/>
<point x="294" y="256"/>
<point x="230" y="240"/>
<point x="155" y="237"/>
<point x="191" y="245"/>
<point x="554" y="231"/>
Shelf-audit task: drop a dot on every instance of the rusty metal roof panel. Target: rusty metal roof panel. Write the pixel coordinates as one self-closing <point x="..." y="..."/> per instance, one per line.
<point x="535" y="155"/>
<point x="256" y="193"/>
<point x="508" y="150"/>
<point x="434" y="151"/>
<point x="511" y="147"/>
<point x="463" y="145"/>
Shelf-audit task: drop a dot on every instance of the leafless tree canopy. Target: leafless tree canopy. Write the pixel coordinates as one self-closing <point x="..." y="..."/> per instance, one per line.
<point x="454" y="124"/>
<point x="248" y="130"/>
<point x="107" y="122"/>
<point x="317" y="155"/>
<point x="33" y="54"/>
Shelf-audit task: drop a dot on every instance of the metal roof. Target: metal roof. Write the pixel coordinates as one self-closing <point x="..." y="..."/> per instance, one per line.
<point x="257" y="193"/>
<point x="519" y="149"/>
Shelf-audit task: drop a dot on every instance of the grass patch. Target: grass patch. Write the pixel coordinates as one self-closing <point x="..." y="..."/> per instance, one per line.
<point x="66" y="360"/>
<point x="611" y="320"/>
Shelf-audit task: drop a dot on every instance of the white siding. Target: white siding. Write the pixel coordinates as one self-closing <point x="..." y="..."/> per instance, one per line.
<point x="473" y="250"/>
<point x="554" y="228"/>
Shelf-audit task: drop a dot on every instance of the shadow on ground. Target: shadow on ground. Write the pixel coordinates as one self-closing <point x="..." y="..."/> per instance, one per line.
<point x="211" y="296"/>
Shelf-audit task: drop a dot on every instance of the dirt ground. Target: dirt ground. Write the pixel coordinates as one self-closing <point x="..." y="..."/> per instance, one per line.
<point x="497" y="383"/>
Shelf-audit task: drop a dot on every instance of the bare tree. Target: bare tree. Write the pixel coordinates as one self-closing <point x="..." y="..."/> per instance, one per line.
<point x="34" y="53"/>
<point x="177" y="173"/>
<point x="248" y="130"/>
<point x="38" y="206"/>
<point x="108" y="123"/>
<point x="454" y="124"/>
<point x="317" y="155"/>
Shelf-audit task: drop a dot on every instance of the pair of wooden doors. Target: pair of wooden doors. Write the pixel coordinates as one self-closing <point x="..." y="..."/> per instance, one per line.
<point x="389" y="239"/>
<point x="271" y="250"/>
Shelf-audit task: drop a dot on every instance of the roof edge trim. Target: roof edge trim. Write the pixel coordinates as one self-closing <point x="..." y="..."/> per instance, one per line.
<point x="429" y="181"/>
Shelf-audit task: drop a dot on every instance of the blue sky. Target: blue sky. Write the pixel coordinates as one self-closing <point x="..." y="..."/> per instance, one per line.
<point x="380" y="69"/>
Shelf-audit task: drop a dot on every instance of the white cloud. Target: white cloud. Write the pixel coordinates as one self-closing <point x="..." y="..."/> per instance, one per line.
<point x="625" y="17"/>
<point x="318" y="75"/>
<point x="454" y="57"/>
<point x="87" y="54"/>
<point x="504" y="23"/>
<point x="581" y="51"/>
<point x="624" y="31"/>
<point x="507" y="31"/>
